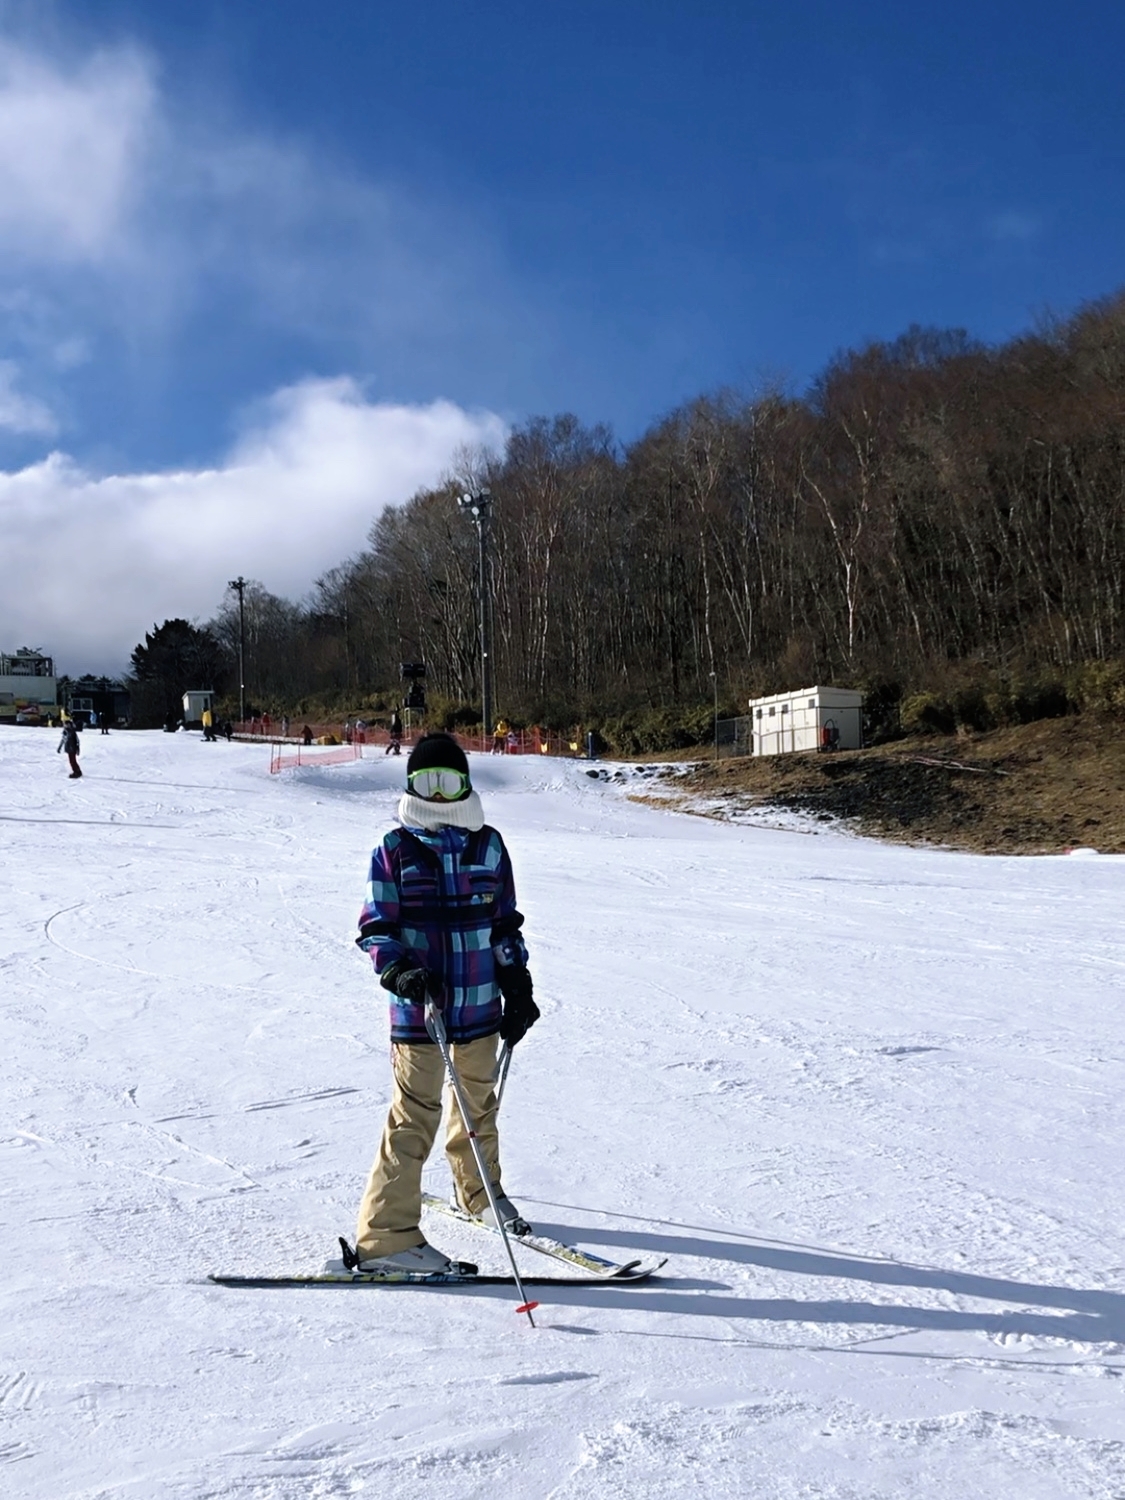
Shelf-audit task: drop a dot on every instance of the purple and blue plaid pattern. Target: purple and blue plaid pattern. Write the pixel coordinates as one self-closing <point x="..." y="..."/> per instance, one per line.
<point x="443" y="898"/>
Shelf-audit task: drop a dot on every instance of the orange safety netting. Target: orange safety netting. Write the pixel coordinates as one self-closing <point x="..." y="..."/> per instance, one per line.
<point x="296" y="744"/>
<point x="283" y="759"/>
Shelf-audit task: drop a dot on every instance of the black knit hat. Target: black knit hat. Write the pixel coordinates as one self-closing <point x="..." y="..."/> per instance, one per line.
<point x="437" y="750"/>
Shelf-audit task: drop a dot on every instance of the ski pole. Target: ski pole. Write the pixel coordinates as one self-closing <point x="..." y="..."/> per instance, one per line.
<point x="502" y="1072"/>
<point x="436" y="1027"/>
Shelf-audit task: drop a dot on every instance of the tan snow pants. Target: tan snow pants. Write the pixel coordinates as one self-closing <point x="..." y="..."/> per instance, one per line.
<point x="391" y="1209"/>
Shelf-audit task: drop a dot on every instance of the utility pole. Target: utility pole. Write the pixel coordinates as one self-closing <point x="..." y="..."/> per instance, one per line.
<point x="479" y="506"/>
<point x="413" y="672"/>
<point x="239" y="584"/>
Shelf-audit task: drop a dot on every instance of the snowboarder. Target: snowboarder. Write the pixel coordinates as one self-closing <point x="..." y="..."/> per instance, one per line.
<point x="440" y="919"/>
<point x="70" y="744"/>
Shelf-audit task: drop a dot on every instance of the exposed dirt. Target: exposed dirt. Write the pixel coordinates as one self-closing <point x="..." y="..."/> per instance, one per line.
<point x="1039" y="788"/>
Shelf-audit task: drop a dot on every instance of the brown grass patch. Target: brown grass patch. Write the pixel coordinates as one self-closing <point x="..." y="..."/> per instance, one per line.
<point x="1035" y="789"/>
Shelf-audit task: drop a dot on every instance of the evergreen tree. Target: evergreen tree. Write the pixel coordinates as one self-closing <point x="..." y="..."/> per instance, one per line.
<point x="172" y="658"/>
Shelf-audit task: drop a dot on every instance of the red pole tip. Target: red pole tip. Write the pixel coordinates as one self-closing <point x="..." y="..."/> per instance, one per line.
<point x="527" y="1307"/>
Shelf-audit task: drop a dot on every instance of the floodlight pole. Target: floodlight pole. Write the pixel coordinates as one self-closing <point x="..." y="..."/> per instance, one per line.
<point x="239" y="585"/>
<point x="479" y="506"/>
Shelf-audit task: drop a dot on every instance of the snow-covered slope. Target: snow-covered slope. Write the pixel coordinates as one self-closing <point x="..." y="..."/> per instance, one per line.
<point x="867" y="1099"/>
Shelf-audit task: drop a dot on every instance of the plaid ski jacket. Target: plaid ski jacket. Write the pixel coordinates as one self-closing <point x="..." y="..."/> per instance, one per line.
<point x="444" y="898"/>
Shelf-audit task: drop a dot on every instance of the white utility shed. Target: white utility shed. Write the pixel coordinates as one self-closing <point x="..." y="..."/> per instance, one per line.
<point x="195" y="701"/>
<point x="816" y="718"/>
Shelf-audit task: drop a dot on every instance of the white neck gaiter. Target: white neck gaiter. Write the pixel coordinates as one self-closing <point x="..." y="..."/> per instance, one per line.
<point x="416" y="812"/>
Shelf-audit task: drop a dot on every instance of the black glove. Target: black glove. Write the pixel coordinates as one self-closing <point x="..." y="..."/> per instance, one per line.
<point x="520" y="1010"/>
<point x="407" y="979"/>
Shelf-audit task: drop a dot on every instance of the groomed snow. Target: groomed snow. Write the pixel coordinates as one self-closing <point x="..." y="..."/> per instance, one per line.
<point x="867" y="1099"/>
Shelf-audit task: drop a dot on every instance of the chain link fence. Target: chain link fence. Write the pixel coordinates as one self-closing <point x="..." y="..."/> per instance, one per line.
<point x="734" y="736"/>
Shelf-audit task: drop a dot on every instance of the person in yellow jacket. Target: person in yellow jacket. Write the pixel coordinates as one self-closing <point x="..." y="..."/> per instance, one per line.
<point x="500" y="737"/>
<point x="208" y="725"/>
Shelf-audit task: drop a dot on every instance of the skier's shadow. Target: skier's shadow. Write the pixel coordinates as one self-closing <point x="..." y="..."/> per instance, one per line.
<point x="1086" y="1315"/>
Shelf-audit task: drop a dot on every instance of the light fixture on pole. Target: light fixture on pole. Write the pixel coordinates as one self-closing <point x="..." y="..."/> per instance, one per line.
<point x="479" y="506"/>
<point x="239" y="585"/>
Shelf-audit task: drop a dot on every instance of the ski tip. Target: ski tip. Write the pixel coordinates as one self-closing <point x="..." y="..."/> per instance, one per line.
<point x="643" y="1272"/>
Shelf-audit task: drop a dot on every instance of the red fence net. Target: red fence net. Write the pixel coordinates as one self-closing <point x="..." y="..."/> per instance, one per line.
<point x="285" y="758"/>
<point x="335" y="744"/>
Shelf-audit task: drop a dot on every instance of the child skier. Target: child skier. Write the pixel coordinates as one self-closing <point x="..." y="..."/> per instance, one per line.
<point x="440" y="919"/>
<point x="70" y="743"/>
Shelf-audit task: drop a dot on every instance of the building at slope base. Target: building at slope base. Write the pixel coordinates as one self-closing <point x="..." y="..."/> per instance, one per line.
<point x="27" y="683"/>
<point x="816" y="718"/>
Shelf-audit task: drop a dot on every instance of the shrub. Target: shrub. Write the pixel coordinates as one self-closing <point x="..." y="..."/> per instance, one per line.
<point x="1099" y="687"/>
<point x="655" y="730"/>
<point x="927" y="713"/>
<point x="973" y="710"/>
<point x="882" y="701"/>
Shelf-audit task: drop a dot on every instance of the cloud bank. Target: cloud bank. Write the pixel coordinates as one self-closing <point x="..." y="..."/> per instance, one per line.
<point x="151" y="251"/>
<point x="156" y="257"/>
<point x="91" y="562"/>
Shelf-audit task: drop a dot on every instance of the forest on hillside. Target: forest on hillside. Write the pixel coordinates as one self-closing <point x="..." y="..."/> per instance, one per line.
<point x="934" y="521"/>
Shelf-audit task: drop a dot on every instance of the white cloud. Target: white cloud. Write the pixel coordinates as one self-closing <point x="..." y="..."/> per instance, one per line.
<point x="72" y="143"/>
<point x="90" y="563"/>
<point x="135" y="226"/>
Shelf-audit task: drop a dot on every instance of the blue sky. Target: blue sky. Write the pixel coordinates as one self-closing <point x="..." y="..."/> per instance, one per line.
<point x="514" y="208"/>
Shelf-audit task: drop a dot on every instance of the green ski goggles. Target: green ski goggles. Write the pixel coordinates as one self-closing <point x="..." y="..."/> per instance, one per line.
<point x="439" y="784"/>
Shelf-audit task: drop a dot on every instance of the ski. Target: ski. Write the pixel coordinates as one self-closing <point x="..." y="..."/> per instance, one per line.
<point x="628" y="1275"/>
<point x="596" y="1265"/>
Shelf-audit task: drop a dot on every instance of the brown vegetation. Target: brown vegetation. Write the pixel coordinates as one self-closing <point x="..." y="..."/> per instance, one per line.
<point x="929" y="501"/>
<point x="1035" y="789"/>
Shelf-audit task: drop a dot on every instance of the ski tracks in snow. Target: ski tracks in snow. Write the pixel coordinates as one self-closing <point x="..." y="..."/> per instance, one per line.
<point x="866" y="1099"/>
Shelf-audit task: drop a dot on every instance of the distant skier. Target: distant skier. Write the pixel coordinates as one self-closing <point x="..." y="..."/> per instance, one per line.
<point x="70" y="744"/>
<point x="440" y="918"/>
<point x="394" y="744"/>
